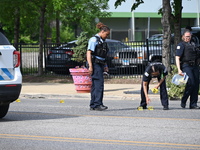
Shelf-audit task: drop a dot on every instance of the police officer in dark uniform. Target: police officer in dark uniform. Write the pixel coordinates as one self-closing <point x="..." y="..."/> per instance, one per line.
<point x="154" y="70"/>
<point x="96" y="58"/>
<point x="187" y="61"/>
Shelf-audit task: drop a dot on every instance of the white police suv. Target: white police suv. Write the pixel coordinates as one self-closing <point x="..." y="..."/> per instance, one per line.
<point x="10" y="75"/>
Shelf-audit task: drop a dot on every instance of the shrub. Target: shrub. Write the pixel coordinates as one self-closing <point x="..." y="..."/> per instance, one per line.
<point x="174" y="91"/>
<point x="81" y="48"/>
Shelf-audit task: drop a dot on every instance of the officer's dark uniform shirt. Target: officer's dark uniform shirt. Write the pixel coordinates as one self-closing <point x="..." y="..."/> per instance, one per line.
<point x="181" y="48"/>
<point x="147" y="74"/>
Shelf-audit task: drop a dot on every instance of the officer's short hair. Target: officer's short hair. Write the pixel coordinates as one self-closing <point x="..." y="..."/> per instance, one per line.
<point x="186" y="31"/>
<point x="155" y="68"/>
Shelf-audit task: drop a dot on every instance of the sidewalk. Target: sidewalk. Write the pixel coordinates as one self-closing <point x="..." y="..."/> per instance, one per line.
<point x="50" y="90"/>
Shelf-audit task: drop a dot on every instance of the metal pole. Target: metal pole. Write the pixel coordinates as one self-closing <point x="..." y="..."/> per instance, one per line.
<point x="198" y="13"/>
<point x="133" y="24"/>
<point x="148" y="28"/>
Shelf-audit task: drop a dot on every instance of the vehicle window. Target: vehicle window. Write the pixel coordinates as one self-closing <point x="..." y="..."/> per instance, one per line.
<point x="111" y="47"/>
<point x="116" y="45"/>
<point x="71" y="45"/>
<point x="3" y="40"/>
<point x="158" y="37"/>
<point x="121" y="45"/>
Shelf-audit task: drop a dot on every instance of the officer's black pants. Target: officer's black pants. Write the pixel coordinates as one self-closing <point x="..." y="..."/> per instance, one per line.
<point x="192" y="86"/>
<point x="97" y="88"/>
<point x="163" y="94"/>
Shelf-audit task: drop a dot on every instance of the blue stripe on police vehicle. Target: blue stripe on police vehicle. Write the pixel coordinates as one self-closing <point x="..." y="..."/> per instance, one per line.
<point x="6" y="74"/>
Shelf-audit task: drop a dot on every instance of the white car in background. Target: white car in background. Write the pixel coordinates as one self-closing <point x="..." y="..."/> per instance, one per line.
<point x="10" y="75"/>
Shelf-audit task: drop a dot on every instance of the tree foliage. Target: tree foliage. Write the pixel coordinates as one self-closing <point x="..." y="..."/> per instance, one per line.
<point x="77" y="15"/>
<point x="134" y="6"/>
<point x="36" y="19"/>
<point x="81" y="48"/>
<point x="174" y="91"/>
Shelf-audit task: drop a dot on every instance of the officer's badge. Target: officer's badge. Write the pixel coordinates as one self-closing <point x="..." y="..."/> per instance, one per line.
<point x="146" y="74"/>
<point x="178" y="47"/>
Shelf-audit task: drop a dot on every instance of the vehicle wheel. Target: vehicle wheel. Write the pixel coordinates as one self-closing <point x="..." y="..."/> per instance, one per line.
<point x="3" y="110"/>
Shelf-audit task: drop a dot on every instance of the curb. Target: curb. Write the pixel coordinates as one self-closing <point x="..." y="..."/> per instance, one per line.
<point x="82" y="96"/>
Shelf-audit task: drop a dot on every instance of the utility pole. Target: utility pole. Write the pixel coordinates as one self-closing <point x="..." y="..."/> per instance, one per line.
<point x="198" y="13"/>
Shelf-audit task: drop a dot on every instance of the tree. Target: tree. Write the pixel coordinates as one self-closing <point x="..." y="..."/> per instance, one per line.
<point x="14" y="18"/>
<point x="19" y="19"/>
<point x="134" y="6"/>
<point x="166" y="17"/>
<point x="76" y="14"/>
<point x="176" y="17"/>
<point x="82" y="13"/>
<point x="32" y="18"/>
<point x="41" y="37"/>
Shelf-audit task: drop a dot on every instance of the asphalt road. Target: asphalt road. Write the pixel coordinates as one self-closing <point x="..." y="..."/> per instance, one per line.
<point x="68" y="124"/>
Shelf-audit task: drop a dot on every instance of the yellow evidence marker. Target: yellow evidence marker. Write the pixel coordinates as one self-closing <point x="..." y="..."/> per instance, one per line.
<point x="154" y="90"/>
<point x="150" y="108"/>
<point x="62" y="101"/>
<point x="18" y="100"/>
<point x="140" y="108"/>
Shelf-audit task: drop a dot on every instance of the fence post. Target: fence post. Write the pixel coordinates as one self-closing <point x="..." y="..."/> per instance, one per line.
<point x="44" y="57"/>
<point x="147" y="44"/>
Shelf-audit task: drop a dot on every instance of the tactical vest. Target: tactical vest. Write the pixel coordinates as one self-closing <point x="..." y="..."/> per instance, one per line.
<point x="189" y="54"/>
<point x="101" y="49"/>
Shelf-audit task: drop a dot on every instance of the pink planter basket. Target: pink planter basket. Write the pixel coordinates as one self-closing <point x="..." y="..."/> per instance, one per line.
<point x="82" y="80"/>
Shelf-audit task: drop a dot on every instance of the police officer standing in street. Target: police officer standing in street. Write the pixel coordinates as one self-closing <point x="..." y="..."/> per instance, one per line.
<point x="96" y="58"/>
<point x="154" y="70"/>
<point x="187" y="61"/>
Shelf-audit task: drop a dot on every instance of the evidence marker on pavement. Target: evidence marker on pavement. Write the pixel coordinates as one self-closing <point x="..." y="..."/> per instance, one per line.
<point x="154" y="90"/>
<point x="62" y="101"/>
<point x="18" y="100"/>
<point x="150" y="108"/>
<point x="140" y="108"/>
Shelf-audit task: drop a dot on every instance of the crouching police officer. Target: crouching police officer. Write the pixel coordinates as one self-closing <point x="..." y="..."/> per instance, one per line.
<point x="187" y="60"/>
<point x="154" y="70"/>
<point x="96" y="56"/>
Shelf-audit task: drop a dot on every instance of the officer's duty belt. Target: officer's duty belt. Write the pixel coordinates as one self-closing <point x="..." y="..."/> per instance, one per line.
<point x="191" y="63"/>
<point x="98" y="61"/>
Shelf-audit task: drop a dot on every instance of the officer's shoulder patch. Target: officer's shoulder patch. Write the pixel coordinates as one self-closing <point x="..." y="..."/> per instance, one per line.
<point x="93" y="39"/>
<point x="178" y="47"/>
<point x="146" y="74"/>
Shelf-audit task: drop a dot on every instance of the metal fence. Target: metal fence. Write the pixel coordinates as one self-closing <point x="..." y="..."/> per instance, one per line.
<point x="122" y="61"/>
